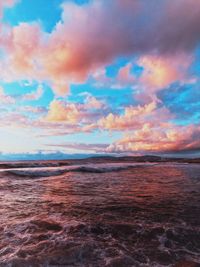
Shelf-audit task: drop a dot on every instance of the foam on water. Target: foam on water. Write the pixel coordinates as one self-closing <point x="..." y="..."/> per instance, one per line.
<point x="96" y="215"/>
<point x="54" y="171"/>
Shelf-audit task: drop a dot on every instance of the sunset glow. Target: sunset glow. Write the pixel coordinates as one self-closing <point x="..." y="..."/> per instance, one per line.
<point x="100" y="76"/>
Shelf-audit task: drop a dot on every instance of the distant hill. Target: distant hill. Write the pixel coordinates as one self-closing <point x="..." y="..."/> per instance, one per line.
<point x="146" y="158"/>
<point x="61" y="159"/>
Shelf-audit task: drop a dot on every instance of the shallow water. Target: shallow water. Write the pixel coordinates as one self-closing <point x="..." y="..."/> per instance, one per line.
<point x="141" y="215"/>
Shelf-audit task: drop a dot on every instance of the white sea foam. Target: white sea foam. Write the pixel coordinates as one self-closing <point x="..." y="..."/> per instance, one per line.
<point x="55" y="171"/>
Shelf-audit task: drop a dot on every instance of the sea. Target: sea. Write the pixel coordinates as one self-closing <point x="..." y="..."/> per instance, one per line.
<point x="100" y="214"/>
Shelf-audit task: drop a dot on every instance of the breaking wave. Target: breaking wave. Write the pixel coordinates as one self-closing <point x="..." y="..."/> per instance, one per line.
<point x="56" y="171"/>
<point x="127" y="215"/>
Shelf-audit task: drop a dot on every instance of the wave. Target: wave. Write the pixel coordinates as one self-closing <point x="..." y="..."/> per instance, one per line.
<point x="56" y="171"/>
<point x="34" y="174"/>
<point x="32" y="164"/>
<point x="45" y="242"/>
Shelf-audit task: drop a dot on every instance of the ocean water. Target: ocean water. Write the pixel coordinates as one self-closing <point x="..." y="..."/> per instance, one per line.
<point x="112" y="215"/>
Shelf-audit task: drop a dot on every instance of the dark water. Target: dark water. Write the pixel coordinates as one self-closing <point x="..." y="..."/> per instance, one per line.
<point x="140" y="216"/>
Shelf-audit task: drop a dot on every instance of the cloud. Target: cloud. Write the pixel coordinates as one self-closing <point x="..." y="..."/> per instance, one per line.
<point x="124" y="75"/>
<point x="124" y="78"/>
<point x="160" y="35"/>
<point x="140" y="27"/>
<point x="93" y="103"/>
<point x="80" y="44"/>
<point x="5" y="99"/>
<point x="61" y="112"/>
<point x="6" y="4"/>
<point x="61" y="118"/>
<point x="32" y="109"/>
<point x="134" y="117"/>
<point x="35" y="95"/>
<point x="161" y="138"/>
<point x="98" y="148"/>
<point x="160" y="71"/>
<point x="76" y="113"/>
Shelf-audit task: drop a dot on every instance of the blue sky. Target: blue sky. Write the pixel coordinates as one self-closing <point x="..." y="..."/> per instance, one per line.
<point x="99" y="77"/>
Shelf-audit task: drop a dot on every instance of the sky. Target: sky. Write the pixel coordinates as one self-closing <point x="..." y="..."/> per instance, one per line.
<point x="100" y="76"/>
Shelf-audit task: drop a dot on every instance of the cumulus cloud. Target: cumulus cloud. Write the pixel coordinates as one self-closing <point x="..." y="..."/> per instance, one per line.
<point x="134" y="117"/>
<point x="160" y="138"/>
<point x="162" y="35"/>
<point x="140" y="26"/>
<point x="92" y="102"/>
<point x="75" y="113"/>
<point x="59" y="111"/>
<point x="160" y="72"/>
<point x="80" y="44"/>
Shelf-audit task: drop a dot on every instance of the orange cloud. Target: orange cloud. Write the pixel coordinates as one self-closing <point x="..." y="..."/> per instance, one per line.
<point x="75" y="113"/>
<point x="161" y="71"/>
<point x="61" y="112"/>
<point x="160" y="138"/>
<point x="134" y="117"/>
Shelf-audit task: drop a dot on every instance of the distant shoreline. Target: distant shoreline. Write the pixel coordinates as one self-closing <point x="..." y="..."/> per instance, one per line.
<point x="93" y="159"/>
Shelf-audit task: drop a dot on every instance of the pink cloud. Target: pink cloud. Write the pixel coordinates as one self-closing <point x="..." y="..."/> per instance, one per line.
<point x="59" y="111"/>
<point x="5" y="99"/>
<point x="7" y="4"/>
<point x="160" y="138"/>
<point x="92" y="102"/>
<point x="162" y="34"/>
<point x="75" y="113"/>
<point x="134" y="117"/>
<point x="33" y="110"/>
<point x="98" y="148"/>
<point x="80" y="44"/>
<point x="35" y="95"/>
<point x="161" y="71"/>
<point x="123" y="78"/>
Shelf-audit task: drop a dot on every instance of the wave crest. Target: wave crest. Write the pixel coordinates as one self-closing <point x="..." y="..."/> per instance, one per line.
<point x="48" y="172"/>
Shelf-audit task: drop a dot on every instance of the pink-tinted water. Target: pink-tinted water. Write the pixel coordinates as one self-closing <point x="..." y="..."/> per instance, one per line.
<point x="142" y="216"/>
